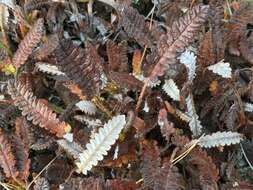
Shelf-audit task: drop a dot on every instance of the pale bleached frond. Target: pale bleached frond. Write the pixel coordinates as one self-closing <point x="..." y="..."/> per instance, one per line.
<point x="89" y="121"/>
<point x="98" y="146"/>
<point x="8" y="3"/>
<point x="248" y="107"/>
<point x="220" y="139"/>
<point x="171" y="89"/>
<point x="71" y="148"/>
<point x="189" y="60"/>
<point x="194" y="122"/>
<point x="87" y="107"/>
<point x="151" y="83"/>
<point x="49" y="69"/>
<point x="221" y="68"/>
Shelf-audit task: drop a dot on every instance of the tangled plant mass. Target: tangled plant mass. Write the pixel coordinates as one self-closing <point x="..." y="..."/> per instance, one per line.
<point x="126" y="95"/>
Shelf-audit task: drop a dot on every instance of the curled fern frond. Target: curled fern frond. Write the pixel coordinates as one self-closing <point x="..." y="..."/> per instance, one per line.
<point x="35" y="110"/>
<point x="220" y="139"/>
<point x="47" y="68"/>
<point x="30" y="41"/>
<point x="100" y="144"/>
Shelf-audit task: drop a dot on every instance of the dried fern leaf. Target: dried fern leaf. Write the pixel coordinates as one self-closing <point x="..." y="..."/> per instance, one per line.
<point x="248" y="107"/>
<point x="189" y="60"/>
<point x="208" y="171"/>
<point x="47" y="47"/>
<point x="169" y="178"/>
<point x="21" y="144"/>
<point x="220" y="139"/>
<point x="84" y="67"/>
<point x="136" y="62"/>
<point x="41" y="184"/>
<point x="117" y="56"/>
<point x="179" y="36"/>
<point x="35" y="110"/>
<point x="87" y="107"/>
<point x="47" y="68"/>
<point x="36" y="4"/>
<point x="7" y="159"/>
<point x="100" y="144"/>
<point x="171" y="89"/>
<point x="134" y="24"/>
<point x="194" y="122"/>
<point x="221" y="68"/>
<point x="150" y="163"/>
<point x="27" y="45"/>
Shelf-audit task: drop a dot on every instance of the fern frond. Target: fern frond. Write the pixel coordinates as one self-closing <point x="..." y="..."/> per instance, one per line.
<point x="8" y="3"/>
<point x="87" y="107"/>
<point x="7" y="159"/>
<point x="117" y="56"/>
<point x="194" y="122"/>
<point x="220" y="139"/>
<point x="89" y="121"/>
<point x="35" y="110"/>
<point x="72" y="148"/>
<point x="100" y="144"/>
<point x="189" y="60"/>
<point x="221" y="68"/>
<point x="134" y="24"/>
<point x="84" y="67"/>
<point x="28" y="43"/>
<point x="171" y="89"/>
<point x="248" y="107"/>
<point x="179" y="36"/>
<point x="47" y="68"/>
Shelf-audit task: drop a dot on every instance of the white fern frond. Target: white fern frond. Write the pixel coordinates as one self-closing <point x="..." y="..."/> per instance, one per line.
<point x="8" y="3"/>
<point x="146" y="107"/>
<point x="104" y="80"/>
<point x="220" y="139"/>
<point x="221" y="68"/>
<point x="171" y="89"/>
<point x="194" y="122"/>
<point x="92" y="123"/>
<point x="189" y="60"/>
<point x="151" y="83"/>
<point x="87" y="107"/>
<point x="248" y="107"/>
<point x="98" y="146"/>
<point x="49" y="69"/>
<point x="68" y="137"/>
<point x="4" y="15"/>
<point x="71" y="148"/>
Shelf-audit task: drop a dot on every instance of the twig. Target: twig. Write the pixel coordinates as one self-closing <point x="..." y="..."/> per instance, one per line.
<point x="246" y="158"/>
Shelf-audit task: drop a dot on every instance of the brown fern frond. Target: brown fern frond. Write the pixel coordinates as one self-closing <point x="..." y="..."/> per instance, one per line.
<point x="36" y="4"/>
<point x="178" y="37"/>
<point x="28" y="43"/>
<point x="207" y="169"/>
<point x="117" y="56"/>
<point x="7" y="159"/>
<point x="84" y="67"/>
<point x="84" y="184"/>
<point x="134" y="25"/>
<point x="21" y="143"/>
<point x="150" y="163"/>
<point x="47" y="47"/>
<point x="35" y="110"/>
<point x="169" y="178"/>
<point x="126" y="81"/>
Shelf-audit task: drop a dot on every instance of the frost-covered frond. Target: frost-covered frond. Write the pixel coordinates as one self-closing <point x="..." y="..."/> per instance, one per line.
<point x="189" y="60"/>
<point x="8" y="3"/>
<point x="194" y="123"/>
<point x="221" y="68"/>
<point x="87" y="107"/>
<point x="220" y="139"/>
<point x="47" y="68"/>
<point x="171" y="89"/>
<point x="248" y="107"/>
<point x="151" y="83"/>
<point x="71" y="148"/>
<point x="89" y="121"/>
<point x="100" y="144"/>
<point x="146" y="107"/>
